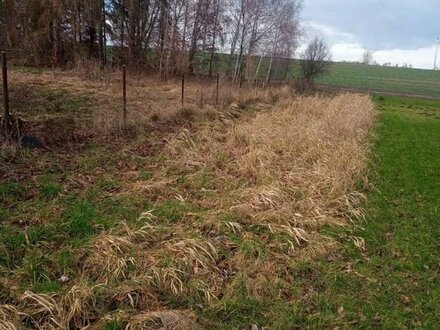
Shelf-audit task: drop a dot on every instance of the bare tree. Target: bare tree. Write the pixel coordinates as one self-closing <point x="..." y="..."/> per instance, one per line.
<point x="166" y="35"/>
<point x="261" y="29"/>
<point x="367" y="57"/>
<point x="314" y="61"/>
<point x="283" y="35"/>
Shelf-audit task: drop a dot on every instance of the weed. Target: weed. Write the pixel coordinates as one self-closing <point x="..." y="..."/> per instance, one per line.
<point x="87" y="163"/>
<point x="34" y="266"/>
<point x="109" y="184"/>
<point x="253" y="248"/>
<point x="171" y="210"/>
<point x="28" y="69"/>
<point x="38" y="234"/>
<point x="12" y="192"/>
<point x="50" y="190"/>
<point x="65" y="261"/>
<point x="49" y="187"/>
<point x="47" y="287"/>
<point x="12" y="246"/>
<point x="82" y="219"/>
<point x="145" y="175"/>
<point x="114" y="325"/>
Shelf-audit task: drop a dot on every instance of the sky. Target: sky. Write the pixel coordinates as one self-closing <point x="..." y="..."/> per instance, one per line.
<point x="396" y="31"/>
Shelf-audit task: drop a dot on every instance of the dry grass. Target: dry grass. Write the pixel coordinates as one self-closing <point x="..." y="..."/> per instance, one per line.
<point x="302" y="160"/>
<point x="299" y="165"/>
<point x="277" y="177"/>
<point x="149" y="99"/>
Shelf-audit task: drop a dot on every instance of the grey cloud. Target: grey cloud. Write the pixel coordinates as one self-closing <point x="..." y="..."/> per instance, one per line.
<point x="379" y="24"/>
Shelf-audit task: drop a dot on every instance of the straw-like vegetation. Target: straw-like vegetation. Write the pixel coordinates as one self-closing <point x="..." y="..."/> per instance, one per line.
<point x="212" y="218"/>
<point x="94" y="97"/>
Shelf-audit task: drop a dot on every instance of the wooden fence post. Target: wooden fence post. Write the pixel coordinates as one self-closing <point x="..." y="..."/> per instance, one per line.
<point x="5" y="94"/>
<point x="183" y="89"/>
<point x="124" y="92"/>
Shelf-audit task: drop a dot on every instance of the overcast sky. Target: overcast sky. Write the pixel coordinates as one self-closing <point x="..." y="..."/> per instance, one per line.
<point x="397" y="31"/>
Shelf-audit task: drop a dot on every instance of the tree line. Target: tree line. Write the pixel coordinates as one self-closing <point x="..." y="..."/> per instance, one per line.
<point x="246" y="39"/>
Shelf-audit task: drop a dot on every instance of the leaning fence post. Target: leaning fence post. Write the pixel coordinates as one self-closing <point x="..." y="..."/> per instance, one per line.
<point x="183" y="89"/>
<point x="124" y="92"/>
<point x="5" y="94"/>
<point x="217" y="89"/>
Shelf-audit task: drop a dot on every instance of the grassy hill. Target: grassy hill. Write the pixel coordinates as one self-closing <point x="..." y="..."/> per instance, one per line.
<point x="349" y="75"/>
<point x="391" y="79"/>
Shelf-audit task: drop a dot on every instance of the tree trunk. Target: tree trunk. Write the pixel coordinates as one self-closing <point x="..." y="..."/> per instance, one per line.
<point x="214" y="37"/>
<point x="133" y="23"/>
<point x="195" y="38"/>
<point x="269" y="70"/>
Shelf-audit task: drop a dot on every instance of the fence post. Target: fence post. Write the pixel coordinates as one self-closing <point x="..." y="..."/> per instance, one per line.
<point x="183" y="89"/>
<point x="217" y="89"/>
<point x="124" y="92"/>
<point x="5" y="94"/>
<point x="201" y="98"/>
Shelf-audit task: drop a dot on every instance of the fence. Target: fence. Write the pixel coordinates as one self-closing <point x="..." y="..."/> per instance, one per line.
<point x="130" y="98"/>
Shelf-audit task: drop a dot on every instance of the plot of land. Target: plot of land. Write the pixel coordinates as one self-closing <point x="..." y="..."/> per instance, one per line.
<point x="205" y="217"/>
<point x="385" y="79"/>
<point x="202" y="222"/>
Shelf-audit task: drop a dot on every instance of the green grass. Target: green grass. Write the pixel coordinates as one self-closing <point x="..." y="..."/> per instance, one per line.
<point x="391" y="79"/>
<point x="33" y="101"/>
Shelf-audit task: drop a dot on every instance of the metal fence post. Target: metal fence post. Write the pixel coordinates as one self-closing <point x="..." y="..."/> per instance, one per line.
<point x="5" y="94"/>
<point x="183" y="89"/>
<point x="124" y="92"/>
<point x="217" y="89"/>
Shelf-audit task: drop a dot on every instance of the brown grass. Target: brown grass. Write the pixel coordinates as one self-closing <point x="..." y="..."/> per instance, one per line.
<point x="276" y="177"/>
<point x="301" y="160"/>
<point x="149" y="99"/>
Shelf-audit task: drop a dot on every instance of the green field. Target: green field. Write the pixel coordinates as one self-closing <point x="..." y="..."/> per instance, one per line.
<point x="388" y="79"/>
<point x="350" y="75"/>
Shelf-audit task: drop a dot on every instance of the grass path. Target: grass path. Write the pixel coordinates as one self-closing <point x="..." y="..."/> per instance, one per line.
<point x="393" y="282"/>
<point x="403" y="234"/>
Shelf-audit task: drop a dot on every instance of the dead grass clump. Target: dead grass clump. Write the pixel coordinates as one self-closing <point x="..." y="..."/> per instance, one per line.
<point x="89" y="68"/>
<point x="9" y="318"/>
<point x="180" y="116"/>
<point x="75" y="309"/>
<point x="113" y="254"/>
<point x="8" y="151"/>
<point x="185" y="267"/>
<point x="301" y="161"/>
<point x="79" y="305"/>
<point x="42" y="310"/>
<point x="166" y="320"/>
